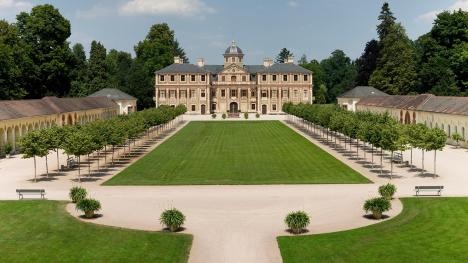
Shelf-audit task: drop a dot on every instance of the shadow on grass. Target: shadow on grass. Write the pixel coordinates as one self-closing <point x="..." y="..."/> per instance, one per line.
<point x="94" y="217"/>
<point x="371" y="217"/>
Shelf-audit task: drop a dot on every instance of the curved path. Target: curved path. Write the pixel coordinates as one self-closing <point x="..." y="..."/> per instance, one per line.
<point x="237" y="223"/>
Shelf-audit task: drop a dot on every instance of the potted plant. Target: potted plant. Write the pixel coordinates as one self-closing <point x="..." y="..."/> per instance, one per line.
<point x="77" y="194"/>
<point x="297" y="221"/>
<point x="223" y="116"/>
<point x="172" y="218"/>
<point x="8" y="150"/>
<point x="88" y="206"/>
<point x="387" y="191"/>
<point x="213" y="115"/>
<point x="246" y="115"/>
<point x="257" y="115"/>
<point x="377" y="206"/>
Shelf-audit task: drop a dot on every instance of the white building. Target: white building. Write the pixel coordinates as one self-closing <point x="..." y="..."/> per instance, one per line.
<point x="350" y="98"/>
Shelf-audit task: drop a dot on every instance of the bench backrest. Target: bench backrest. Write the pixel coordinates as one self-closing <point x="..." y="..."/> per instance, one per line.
<point x="429" y="187"/>
<point x="30" y="190"/>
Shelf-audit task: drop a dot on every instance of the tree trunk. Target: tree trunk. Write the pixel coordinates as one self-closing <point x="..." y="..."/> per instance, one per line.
<point x="35" y="170"/>
<point x="79" y="171"/>
<point x="105" y="154"/>
<point x="89" y="166"/>
<point x="98" y="161"/>
<point x="58" y="163"/>
<point x="381" y="160"/>
<point x="357" y="148"/>
<point x="422" y="170"/>
<point x="113" y="148"/>
<point x="47" y="166"/>
<point x="372" y="151"/>
<point x="435" y="153"/>
<point x="411" y="158"/>
<point x="391" y="166"/>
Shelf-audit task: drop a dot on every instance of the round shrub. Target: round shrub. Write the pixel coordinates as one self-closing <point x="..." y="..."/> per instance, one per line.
<point x="246" y="115"/>
<point x="77" y="193"/>
<point x="223" y="116"/>
<point x="88" y="206"/>
<point x="257" y="115"/>
<point x="297" y="221"/>
<point x="213" y="115"/>
<point x="377" y="206"/>
<point x="387" y="190"/>
<point x="172" y="218"/>
<point x="8" y="149"/>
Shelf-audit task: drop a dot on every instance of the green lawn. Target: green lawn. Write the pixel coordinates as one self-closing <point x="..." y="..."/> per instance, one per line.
<point x="42" y="231"/>
<point x="428" y="230"/>
<point x="237" y="152"/>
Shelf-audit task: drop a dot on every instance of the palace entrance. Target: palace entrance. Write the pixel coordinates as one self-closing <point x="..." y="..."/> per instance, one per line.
<point x="203" y="109"/>
<point x="233" y="108"/>
<point x="264" y="109"/>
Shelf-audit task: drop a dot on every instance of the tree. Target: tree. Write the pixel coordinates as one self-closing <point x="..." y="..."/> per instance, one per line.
<point x="180" y="52"/>
<point x="387" y="20"/>
<point x="396" y="68"/>
<point x="45" y="32"/>
<point x="32" y="145"/>
<point x="97" y="69"/>
<point x="79" y="73"/>
<point x="435" y="142"/>
<point x="303" y="60"/>
<point x="283" y="55"/>
<point x="78" y="143"/>
<point x="53" y="139"/>
<point x="339" y="74"/>
<point x="320" y="88"/>
<point x="457" y="138"/>
<point x="367" y="63"/>
<point x="119" y="66"/>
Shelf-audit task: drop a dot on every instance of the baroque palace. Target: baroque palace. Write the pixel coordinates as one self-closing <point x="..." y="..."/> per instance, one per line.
<point x="233" y="87"/>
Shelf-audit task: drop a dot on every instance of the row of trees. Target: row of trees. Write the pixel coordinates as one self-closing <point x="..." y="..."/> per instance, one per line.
<point x="36" y="60"/>
<point x="93" y="137"/>
<point x="434" y="63"/>
<point x="377" y="130"/>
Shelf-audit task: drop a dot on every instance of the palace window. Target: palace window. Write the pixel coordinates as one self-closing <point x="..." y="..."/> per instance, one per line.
<point x="182" y="77"/>
<point x="202" y="77"/>
<point x="182" y="94"/>
<point x="233" y="78"/>
<point x="194" y="107"/>
<point x="305" y="77"/>
<point x="285" y="93"/>
<point x="172" y="93"/>
<point x="295" y="95"/>
<point x="252" y="93"/>
<point x="172" y="77"/>
<point x="213" y="106"/>
<point x="252" y="106"/>
<point x="161" y="78"/>
<point x="264" y="93"/>
<point x="305" y="93"/>
<point x="202" y="94"/>
<point x="274" y="77"/>
<point x="273" y="106"/>
<point x="232" y="59"/>
<point x="223" y="78"/>
<point x="244" y="78"/>
<point x="233" y="93"/>
<point x="263" y="77"/>
<point x="274" y="94"/>
<point x="226" y="59"/>
<point x="192" y="77"/>
<point x="162" y="94"/>
<point x="285" y="77"/>
<point x="244" y="93"/>
<point x="223" y="93"/>
<point x="295" y="78"/>
<point x="192" y="93"/>
<point x="213" y="93"/>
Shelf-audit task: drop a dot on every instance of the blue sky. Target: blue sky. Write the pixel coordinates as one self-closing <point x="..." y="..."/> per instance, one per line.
<point x="261" y="28"/>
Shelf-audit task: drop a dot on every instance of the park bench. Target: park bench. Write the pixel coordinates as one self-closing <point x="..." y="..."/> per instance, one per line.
<point x="22" y="192"/>
<point x="398" y="158"/>
<point x="428" y="188"/>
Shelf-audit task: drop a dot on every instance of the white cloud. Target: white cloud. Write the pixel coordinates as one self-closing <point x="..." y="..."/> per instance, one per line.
<point x="10" y="8"/>
<point x="165" y="7"/>
<point x="94" y="12"/>
<point x="430" y="16"/>
<point x="293" y="3"/>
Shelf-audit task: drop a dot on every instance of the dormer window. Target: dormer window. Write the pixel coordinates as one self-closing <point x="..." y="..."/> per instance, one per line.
<point x="172" y="78"/>
<point x="295" y="77"/>
<point x="161" y="78"/>
<point x="182" y="77"/>
<point x="263" y="77"/>
<point x="285" y="77"/>
<point x="274" y="77"/>
<point x="305" y="77"/>
<point x="192" y="77"/>
<point x="202" y="77"/>
<point x="244" y="78"/>
<point x="233" y="79"/>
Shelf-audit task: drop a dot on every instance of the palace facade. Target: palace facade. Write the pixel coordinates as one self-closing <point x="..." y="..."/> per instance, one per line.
<point x="233" y="87"/>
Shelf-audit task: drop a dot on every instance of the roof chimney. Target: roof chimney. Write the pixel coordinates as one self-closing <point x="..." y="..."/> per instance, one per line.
<point x="200" y="62"/>
<point x="178" y="60"/>
<point x="267" y="62"/>
<point x="289" y="59"/>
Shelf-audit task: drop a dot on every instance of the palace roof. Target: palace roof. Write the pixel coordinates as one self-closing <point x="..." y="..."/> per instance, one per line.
<point x="423" y="102"/>
<point x="113" y="94"/>
<point x="15" y="109"/>
<point x="277" y="68"/>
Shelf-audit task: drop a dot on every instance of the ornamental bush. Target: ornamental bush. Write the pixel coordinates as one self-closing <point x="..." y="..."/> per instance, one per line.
<point x="297" y="221"/>
<point x="257" y="115"/>
<point x="88" y="206"/>
<point x="387" y="191"/>
<point x="246" y="115"/>
<point x="8" y="149"/>
<point x="172" y="218"/>
<point x="377" y="206"/>
<point x="223" y="116"/>
<point x="213" y="115"/>
<point x="77" y="194"/>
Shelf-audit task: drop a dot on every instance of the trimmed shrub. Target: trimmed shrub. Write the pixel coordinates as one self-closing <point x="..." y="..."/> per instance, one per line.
<point x="77" y="194"/>
<point x="377" y="206"/>
<point x="172" y="218"/>
<point x="8" y="149"/>
<point x="223" y="116"/>
<point x="246" y="115"/>
<point x="213" y="115"/>
<point x="88" y="206"/>
<point x="297" y="221"/>
<point x="387" y="190"/>
<point x="257" y="115"/>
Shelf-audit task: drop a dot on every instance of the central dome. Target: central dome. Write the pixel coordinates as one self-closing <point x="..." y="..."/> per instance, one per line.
<point x="233" y="49"/>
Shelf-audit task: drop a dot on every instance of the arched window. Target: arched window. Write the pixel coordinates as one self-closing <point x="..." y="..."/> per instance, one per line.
<point x="414" y="117"/>
<point x="233" y="78"/>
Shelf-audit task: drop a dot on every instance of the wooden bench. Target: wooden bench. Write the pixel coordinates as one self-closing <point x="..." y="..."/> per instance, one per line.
<point x="428" y="188"/>
<point x="22" y="192"/>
